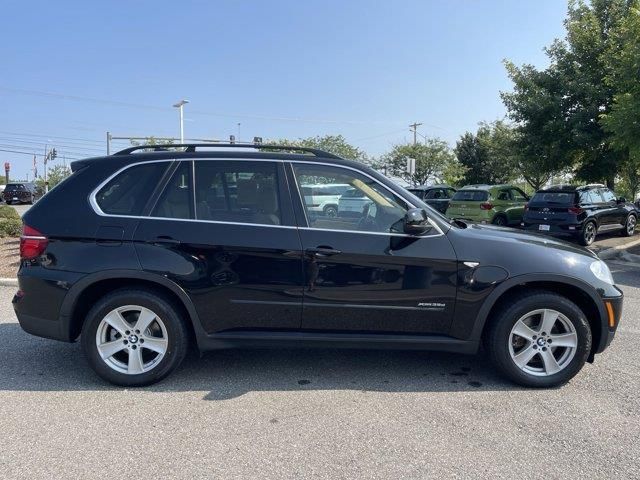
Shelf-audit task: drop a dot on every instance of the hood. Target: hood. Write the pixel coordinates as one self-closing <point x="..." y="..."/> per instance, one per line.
<point x="503" y="235"/>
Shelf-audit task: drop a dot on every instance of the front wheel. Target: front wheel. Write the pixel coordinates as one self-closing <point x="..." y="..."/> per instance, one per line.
<point x="630" y="226"/>
<point x="134" y="337"/>
<point x="540" y="339"/>
<point x="331" y="211"/>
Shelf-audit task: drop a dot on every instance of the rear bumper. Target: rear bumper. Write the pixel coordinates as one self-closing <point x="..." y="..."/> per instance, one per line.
<point x="38" y="302"/>
<point x="561" y="230"/>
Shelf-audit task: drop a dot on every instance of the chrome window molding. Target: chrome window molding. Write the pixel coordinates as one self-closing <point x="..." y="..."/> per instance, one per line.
<point x="96" y="208"/>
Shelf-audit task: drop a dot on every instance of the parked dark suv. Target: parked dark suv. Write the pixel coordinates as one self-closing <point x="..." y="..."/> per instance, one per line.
<point x="437" y="196"/>
<point x="20" y="193"/>
<point x="579" y="212"/>
<point x="217" y="247"/>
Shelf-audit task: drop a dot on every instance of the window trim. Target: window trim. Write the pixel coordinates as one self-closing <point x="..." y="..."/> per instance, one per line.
<point x="285" y="162"/>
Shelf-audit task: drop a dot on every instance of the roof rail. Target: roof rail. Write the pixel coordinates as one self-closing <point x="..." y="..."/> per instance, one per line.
<point x="191" y="147"/>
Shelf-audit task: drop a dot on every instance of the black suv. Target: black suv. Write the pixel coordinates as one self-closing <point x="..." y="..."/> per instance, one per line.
<point x="438" y="196"/>
<point x="157" y="250"/>
<point x="20" y="193"/>
<point x="579" y="212"/>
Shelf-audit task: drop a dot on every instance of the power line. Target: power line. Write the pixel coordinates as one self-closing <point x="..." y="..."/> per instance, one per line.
<point x="52" y="143"/>
<point x="118" y="103"/>
<point x="86" y="140"/>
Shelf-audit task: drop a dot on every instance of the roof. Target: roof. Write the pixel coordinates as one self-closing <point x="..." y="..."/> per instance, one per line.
<point x="570" y="188"/>
<point x="483" y="186"/>
<point x="429" y="187"/>
<point x="227" y="151"/>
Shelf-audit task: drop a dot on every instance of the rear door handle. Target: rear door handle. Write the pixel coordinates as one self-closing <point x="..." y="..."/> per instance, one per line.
<point x="323" y="251"/>
<point x="165" y="240"/>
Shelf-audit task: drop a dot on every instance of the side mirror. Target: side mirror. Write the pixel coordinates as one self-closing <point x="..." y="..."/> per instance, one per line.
<point x="416" y="221"/>
<point x="622" y="200"/>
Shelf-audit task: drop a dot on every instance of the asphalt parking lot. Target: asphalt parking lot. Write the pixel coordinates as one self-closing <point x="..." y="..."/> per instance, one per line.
<point x="318" y="414"/>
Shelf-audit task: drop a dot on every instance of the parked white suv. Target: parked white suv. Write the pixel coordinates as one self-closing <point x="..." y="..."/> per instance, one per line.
<point x="323" y="198"/>
<point x="353" y="203"/>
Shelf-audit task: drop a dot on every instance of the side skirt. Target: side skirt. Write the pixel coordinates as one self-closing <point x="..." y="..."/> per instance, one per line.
<point x="253" y="339"/>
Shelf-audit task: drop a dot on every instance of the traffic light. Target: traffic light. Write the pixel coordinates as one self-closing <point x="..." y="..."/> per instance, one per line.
<point x="232" y="139"/>
<point x="54" y="154"/>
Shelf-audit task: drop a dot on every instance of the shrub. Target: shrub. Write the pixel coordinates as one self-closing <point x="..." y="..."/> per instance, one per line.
<point x="10" y="227"/>
<point x="8" y="212"/>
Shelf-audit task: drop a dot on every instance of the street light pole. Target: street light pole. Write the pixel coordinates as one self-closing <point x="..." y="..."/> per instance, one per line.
<point x="180" y="106"/>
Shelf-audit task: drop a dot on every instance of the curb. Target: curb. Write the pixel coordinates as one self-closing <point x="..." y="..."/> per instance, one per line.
<point x="8" y="282"/>
<point x="613" y="252"/>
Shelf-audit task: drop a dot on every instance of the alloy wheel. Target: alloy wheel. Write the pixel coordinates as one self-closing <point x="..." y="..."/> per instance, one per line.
<point x="543" y="342"/>
<point x="132" y="339"/>
<point x="631" y="224"/>
<point x="589" y="233"/>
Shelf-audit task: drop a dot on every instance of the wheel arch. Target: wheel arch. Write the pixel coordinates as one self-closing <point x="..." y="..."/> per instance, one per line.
<point x="580" y="293"/>
<point x="87" y="291"/>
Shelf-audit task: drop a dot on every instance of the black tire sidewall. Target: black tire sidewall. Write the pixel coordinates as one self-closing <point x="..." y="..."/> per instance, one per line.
<point x="176" y="332"/>
<point x="500" y="333"/>
<point x="500" y="220"/>
<point x="582" y="238"/>
<point x="625" y="230"/>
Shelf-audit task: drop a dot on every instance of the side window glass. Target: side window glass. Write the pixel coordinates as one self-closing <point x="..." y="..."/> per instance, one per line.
<point x="129" y="191"/>
<point x="242" y="192"/>
<point x="608" y="195"/>
<point x="518" y="195"/>
<point x="595" y="196"/>
<point x="450" y="192"/>
<point x="503" y="195"/>
<point x="176" y="200"/>
<point x="365" y="206"/>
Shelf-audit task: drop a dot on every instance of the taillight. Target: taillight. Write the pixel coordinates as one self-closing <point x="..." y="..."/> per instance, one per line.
<point x="486" y="206"/>
<point x="575" y="210"/>
<point x="32" y="243"/>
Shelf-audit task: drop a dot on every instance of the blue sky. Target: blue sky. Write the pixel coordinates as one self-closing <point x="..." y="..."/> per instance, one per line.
<point x="363" y="69"/>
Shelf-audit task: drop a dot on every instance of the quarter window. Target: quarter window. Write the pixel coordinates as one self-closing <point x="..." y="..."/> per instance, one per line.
<point x="243" y="192"/>
<point x="128" y="192"/>
<point x="365" y="206"/>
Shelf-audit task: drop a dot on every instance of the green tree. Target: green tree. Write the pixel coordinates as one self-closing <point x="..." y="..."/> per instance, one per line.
<point x="433" y="161"/>
<point x="152" y="140"/>
<point x="335" y="144"/>
<point x="566" y="99"/>
<point x="489" y="156"/>
<point x="55" y="175"/>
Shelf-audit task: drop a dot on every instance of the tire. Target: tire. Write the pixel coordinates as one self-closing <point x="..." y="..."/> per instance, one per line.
<point x="8" y="202"/>
<point x="330" y="211"/>
<point x="630" y="226"/>
<point x="588" y="233"/>
<point x="500" y="220"/>
<point x="166" y="331"/>
<point x="504" y="344"/>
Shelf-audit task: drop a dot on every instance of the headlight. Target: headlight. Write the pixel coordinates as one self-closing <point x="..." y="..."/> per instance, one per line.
<point x="602" y="272"/>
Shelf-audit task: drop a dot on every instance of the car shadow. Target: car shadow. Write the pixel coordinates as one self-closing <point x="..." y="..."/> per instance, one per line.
<point x="34" y="364"/>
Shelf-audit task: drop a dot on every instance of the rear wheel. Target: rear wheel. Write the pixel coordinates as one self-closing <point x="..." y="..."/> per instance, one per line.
<point x="134" y="338"/>
<point x="588" y="234"/>
<point x="541" y="339"/>
<point x="500" y="220"/>
<point x="331" y="211"/>
<point x="630" y="225"/>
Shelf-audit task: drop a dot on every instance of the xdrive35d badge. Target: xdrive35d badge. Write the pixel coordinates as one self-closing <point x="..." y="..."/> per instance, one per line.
<point x="217" y="246"/>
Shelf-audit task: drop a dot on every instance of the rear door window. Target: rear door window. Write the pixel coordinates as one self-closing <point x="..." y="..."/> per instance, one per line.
<point x="518" y="195"/>
<point x="128" y="192"/>
<point x="176" y="200"/>
<point x="242" y="192"/>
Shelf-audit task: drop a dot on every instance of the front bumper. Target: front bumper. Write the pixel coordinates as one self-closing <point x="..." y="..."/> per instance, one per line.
<point x="613" y="314"/>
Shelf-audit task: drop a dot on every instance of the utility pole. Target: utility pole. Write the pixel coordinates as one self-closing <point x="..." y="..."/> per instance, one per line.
<point x="108" y="143"/>
<point x="414" y="128"/>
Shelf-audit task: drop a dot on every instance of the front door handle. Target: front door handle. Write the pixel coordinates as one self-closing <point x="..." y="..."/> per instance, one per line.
<point x="323" y="251"/>
<point x="165" y="240"/>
